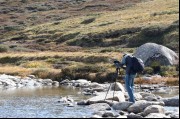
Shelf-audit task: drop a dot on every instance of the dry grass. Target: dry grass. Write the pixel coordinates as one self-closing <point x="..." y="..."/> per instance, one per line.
<point x="162" y="80"/>
<point x="36" y="64"/>
<point x="137" y="16"/>
<point x="50" y="64"/>
<point x="39" y="72"/>
<point x="15" y="70"/>
<point x="113" y="55"/>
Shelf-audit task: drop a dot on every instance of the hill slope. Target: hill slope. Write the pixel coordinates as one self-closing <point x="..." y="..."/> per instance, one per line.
<point x="72" y="24"/>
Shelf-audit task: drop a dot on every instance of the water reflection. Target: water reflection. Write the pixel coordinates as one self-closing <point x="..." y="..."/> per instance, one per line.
<point x="40" y="103"/>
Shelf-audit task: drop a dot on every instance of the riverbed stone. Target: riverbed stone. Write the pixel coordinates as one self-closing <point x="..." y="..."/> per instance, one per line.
<point x="118" y="96"/>
<point x="81" y="83"/>
<point x="32" y="76"/>
<point x="7" y="82"/>
<point x="132" y="115"/>
<point x="47" y="82"/>
<point x="109" y="114"/>
<point x="153" y="109"/>
<point x="174" y="115"/>
<point x="137" y="96"/>
<point x="70" y="105"/>
<point x="157" y="115"/>
<point x="122" y="105"/>
<point x="96" y="85"/>
<point x="145" y="94"/>
<point x="96" y="116"/>
<point x="173" y="101"/>
<point x="83" y="102"/>
<point x="55" y="83"/>
<point x="151" y="98"/>
<point x="139" y="106"/>
<point x="99" y="107"/>
<point x="121" y="116"/>
<point x="65" y="82"/>
<point x="123" y="113"/>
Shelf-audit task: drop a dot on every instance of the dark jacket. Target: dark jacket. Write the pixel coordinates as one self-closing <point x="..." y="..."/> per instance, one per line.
<point x="127" y="60"/>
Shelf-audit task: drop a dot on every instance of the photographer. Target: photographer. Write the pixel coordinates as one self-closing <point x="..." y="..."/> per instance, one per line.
<point x="130" y="75"/>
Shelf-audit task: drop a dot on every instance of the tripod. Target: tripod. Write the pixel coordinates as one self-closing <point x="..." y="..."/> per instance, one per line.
<point x="117" y="72"/>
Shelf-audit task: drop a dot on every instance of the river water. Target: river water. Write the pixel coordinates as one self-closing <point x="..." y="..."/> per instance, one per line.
<point x="40" y="103"/>
<point x="43" y="102"/>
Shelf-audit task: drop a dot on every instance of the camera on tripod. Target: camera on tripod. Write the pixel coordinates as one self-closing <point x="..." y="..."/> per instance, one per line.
<point x="117" y="64"/>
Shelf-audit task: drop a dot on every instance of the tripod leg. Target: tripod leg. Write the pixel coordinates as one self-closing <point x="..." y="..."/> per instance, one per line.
<point x="107" y="91"/>
<point x="114" y="90"/>
<point x="117" y="70"/>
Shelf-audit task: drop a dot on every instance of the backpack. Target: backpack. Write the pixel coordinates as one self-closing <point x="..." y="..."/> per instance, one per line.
<point x="137" y="65"/>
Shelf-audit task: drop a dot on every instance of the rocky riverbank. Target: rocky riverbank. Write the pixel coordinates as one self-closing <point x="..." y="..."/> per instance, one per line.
<point x="7" y="81"/>
<point x="116" y="104"/>
<point x="113" y="104"/>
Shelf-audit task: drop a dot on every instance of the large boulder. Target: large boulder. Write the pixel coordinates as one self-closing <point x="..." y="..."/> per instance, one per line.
<point x="111" y="95"/>
<point x="139" y="106"/>
<point x="153" y="109"/>
<point x="151" y="52"/>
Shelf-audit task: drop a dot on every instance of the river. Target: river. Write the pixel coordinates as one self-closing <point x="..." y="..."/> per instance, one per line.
<point x="40" y="103"/>
<point x="43" y="102"/>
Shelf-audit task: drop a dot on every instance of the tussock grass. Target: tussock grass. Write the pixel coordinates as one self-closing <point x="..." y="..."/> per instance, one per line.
<point x="163" y="80"/>
<point x="15" y="70"/>
<point x="45" y="73"/>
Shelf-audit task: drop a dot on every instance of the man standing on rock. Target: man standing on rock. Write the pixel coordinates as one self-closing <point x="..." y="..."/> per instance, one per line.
<point x="130" y="75"/>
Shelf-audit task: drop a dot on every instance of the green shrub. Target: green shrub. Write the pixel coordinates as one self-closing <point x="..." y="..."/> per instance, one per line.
<point x="96" y="59"/>
<point x="81" y="71"/>
<point x="47" y="73"/>
<point x="11" y="60"/>
<point x="24" y="1"/>
<point x="88" y="21"/>
<point x="67" y="37"/>
<point x="169" y="71"/>
<point x="3" y="48"/>
<point x="148" y="70"/>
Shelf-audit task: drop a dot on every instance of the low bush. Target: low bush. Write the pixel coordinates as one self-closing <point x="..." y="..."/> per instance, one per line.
<point x="47" y="74"/>
<point x="88" y="21"/>
<point x="4" y="48"/>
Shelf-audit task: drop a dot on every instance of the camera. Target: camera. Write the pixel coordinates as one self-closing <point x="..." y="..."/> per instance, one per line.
<point x="117" y="64"/>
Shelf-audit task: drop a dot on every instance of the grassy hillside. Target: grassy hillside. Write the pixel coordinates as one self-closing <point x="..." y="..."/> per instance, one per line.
<point x="131" y="26"/>
<point x="80" y="38"/>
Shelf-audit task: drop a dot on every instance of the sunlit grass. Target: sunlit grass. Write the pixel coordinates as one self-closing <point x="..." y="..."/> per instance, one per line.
<point x="43" y="64"/>
<point x="160" y="80"/>
<point x="143" y="14"/>
<point x="114" y="55"/>
<point x="15" y="70"/>
<point x="36" y="64"/>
